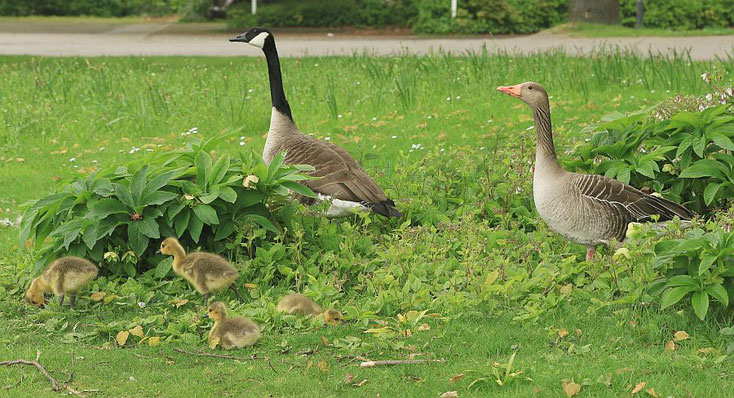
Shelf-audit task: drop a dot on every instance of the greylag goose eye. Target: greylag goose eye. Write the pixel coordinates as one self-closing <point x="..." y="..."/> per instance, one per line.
<point x="342" y="180"/>
<point x="591" y="210"/>
<point x="206" y="272"/>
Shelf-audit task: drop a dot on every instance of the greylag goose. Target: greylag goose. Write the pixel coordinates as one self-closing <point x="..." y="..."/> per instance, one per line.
<point x="342" y="179"/>
<point x="586" y="209"/>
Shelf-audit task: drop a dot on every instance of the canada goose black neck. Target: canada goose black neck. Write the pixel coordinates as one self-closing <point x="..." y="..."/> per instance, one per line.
<point x="277" y="94"/>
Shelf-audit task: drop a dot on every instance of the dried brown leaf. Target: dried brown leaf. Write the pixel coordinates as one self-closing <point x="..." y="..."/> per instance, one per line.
<point x="456" y="377"/>
<point x="154" y="341"/>
<point x="571" y="388"/>
<point x="681" y="335"/>
<point x="348" y="378"/>
<point x="562" y="333"/>
<point x="638" y="387"/>
<point x="424" y="327"/>
<point x="670" y="345"/>
<point x="97" y="296"/>
<point x="122" y="337"/>
<point x="137" y="331"/>
<point x="325" y="341"/>
<point x="651" y="392"/>
<point x="450" y="394"/>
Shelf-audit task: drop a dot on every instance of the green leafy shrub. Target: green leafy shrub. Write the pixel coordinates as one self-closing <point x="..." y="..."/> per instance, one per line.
<point x="687" y="158"/>
<point x="701" y="264"/>
<point x="680" y="15"/>
<point x="102" y="8"/>
<point x="485" y="16"/>
<point x="184" y="193"/>
<point x="315" y="13"/>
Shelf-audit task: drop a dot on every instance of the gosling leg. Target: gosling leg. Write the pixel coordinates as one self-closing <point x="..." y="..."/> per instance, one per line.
<point x="233" y="287"/>
<point x="206" y="299"/>
<point x="61" y="300"/>
<point x="72" y="298"/>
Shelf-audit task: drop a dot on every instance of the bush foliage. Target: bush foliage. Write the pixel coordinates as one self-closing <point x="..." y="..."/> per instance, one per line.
<point x="184" y="193"/>
<point x="680" y="15"/>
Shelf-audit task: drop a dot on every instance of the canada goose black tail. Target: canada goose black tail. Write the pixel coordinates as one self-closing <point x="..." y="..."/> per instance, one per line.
<point x="385" y="208"/>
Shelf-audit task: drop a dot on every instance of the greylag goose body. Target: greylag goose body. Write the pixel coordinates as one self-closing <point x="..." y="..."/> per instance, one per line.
<point x="586" y="209"/>
<point x="342" y="179"/>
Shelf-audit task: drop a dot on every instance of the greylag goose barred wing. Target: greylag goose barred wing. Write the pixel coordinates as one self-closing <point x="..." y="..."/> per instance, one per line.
<point x="639" y="205"/>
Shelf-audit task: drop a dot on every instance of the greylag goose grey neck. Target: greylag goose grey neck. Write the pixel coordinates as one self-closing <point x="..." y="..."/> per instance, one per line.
<point x="342" y="179"/>
<point x="586" y="209"/>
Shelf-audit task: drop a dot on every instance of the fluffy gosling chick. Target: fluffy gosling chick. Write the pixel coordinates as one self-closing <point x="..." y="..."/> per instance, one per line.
<point x="231" y="333"/>
<point x="297" y="304"/>
<point x="207" y="272"/>
<point x="66" y="275"/>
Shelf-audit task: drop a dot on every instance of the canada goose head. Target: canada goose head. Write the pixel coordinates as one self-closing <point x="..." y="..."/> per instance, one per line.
<point x="333" y="317"/>
<point x="531" y="93"/>
<point x="256" y="37"/>
<point x="34" y="295"/>
<point x="217" y="311"/>
<point x="168" y="246"/>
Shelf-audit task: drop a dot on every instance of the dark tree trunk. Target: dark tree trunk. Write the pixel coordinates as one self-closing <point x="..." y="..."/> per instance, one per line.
<point x="594" y="11"/>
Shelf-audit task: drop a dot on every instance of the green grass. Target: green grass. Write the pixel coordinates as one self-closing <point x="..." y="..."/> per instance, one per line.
<point x="451" y="151"/>
<point x="598" y="30"/>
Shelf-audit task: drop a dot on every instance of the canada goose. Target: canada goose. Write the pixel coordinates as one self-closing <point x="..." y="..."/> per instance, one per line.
<point x="205" y="271"/>
<point x="66" y="275"/>
<point x="297" y="304"/>
<point x="586" y="209"/>
<point x="231" y="333"/>
<point x="341" y="178"/>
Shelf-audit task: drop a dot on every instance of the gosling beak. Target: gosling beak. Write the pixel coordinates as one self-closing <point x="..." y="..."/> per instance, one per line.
<point x="240" y="38"/>
<point x="206" y="315"/>
<point x="513" y="91"/>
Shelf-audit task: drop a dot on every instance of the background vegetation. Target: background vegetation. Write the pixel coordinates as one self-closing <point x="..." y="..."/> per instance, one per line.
<point x="422" y="16"/>
<point x="470" y="275"/>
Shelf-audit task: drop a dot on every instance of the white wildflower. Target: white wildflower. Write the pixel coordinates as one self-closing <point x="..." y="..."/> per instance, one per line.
<point x="72" y="160"/>
<point x="327" y="138"/>
<point x="141" y="304"/>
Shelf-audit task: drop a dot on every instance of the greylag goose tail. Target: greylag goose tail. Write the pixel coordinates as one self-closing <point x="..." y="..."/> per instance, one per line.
<point x="586" y="209"/>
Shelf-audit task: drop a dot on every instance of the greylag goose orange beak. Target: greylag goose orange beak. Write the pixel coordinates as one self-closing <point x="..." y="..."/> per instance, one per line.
<point x="511" y="90"/>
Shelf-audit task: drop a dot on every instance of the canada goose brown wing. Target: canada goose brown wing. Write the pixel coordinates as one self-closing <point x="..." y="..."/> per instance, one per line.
<point x="341" y="177"/>
<point x="638" y="205"/>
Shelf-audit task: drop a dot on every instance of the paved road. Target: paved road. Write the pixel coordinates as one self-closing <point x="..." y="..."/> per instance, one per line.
<point x="158" y="39"/>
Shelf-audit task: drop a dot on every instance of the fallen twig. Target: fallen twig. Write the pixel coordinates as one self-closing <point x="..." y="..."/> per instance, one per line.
<point x="54" y="383"/>
<point x="370" y="364"/>
<point x="206" y="354"/>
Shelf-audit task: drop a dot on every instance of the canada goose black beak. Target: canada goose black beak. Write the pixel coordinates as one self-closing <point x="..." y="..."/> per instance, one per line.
<point x="240" y="38"/>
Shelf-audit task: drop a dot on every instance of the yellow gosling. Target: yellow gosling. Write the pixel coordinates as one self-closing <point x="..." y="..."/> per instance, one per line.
<point x="228" y="332"/>
<point x="64" y="276"/>
<point x="206" y="272"/>
<point x="297" y="304"/>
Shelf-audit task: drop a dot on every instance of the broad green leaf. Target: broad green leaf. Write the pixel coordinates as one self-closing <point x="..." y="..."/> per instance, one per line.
<point x="163" y="267"/>
<point x="124" y="195"/>
<point x="104" y="207"/>
<point x="89" y="235"/>
<point x="181" y="222"/>
<point x="682" y="280"/>
<point x="261" y="171"/>
<point x="137" y="184"/>
<point x="624" y="175"/>
<point x="227" y="194"/>
<point x="206" y="214"/>
<point x="211" y="196"/>
<point x="704" y="168"/>
<point x="195" y="227"/>
<point x="158" y="198"/>
<point x="159" y="182"/>
<point x="219" y="170"/>
<point x="275" y="165"/>
<point x="706" y="262"/>
<point x="263" y="222"/>
<point x="718" y="292"/>
<point x="722" y="141"/>
<point x="130" y="269"/>
<point x="224" y="229"/>
<point x="712" y="189"/>
<point x="148" y="227"/>
<point x="674" y="295"/>
<point x="138" y="241"/>
<point x="299" y="189"/>
<point x="174" y="209"/>
<point x="655" y="288"/>
<point x="203" y="169"/>
<point x="700" y="302"/>
<point x="106" y="227"/>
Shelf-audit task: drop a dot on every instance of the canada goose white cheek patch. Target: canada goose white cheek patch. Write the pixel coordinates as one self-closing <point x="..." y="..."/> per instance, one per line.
<point x="259" y="40"/>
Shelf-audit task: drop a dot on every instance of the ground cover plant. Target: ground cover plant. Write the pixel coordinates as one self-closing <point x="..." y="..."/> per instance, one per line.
<point x="470" y="275"/>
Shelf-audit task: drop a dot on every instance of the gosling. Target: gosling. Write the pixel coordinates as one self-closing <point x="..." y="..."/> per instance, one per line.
<point x="231" y="333"/>
<point x="207" y="272"/>
<point x="64" y="276"/>
<point x="297" y="304"/>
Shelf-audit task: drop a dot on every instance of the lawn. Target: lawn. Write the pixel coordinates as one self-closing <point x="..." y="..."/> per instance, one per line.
<point x="598" y="31"/>
<point x="470" y="276"/>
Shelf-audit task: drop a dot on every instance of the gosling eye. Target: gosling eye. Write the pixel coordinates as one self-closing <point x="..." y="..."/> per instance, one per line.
<point x="530" y="87"/>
